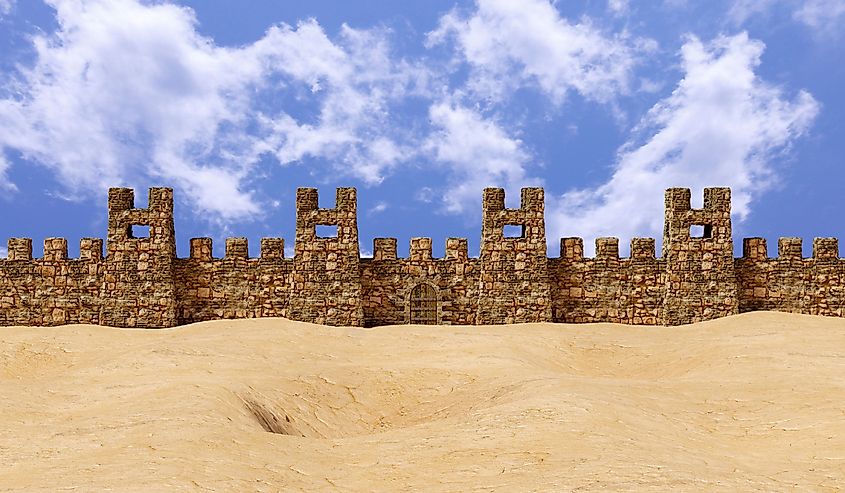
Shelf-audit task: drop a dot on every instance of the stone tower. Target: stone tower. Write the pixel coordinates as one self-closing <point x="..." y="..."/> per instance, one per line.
<point x="514" y="285"/>
<point x="700" y="279"/>
<point x="326" y="285"/>
<point x="138" y="285"/>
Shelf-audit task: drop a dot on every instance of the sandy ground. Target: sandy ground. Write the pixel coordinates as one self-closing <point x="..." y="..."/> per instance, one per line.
<point x="753" y="402"/>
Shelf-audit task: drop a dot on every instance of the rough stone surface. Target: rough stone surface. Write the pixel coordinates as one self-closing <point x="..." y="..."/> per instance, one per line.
<point x="608" y="288"/>
<point x="514" y="275"/>
<point x="700" y="276"/>
<point x="140" y="282"/>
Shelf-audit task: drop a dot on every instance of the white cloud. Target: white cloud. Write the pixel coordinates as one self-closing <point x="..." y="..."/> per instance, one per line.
<point x="128" y="93"/>
<point x="361" y="81"/>
<point x="825" y="15"/>
<point x="379" y="207"/>
<point x="425" y="195"/>
<point x="741" y="10"/>
<point x="510" y="45"/>
<point x="478" y="152"/>
<point x="513" y="44"/>
<point x="4" y="166"/>
<point x="6" y="6"/>
<point x="722" y="126"/>
<point x="124" y="93"/>
<point x="820" y="15"/>
<point x="618" y="7"/>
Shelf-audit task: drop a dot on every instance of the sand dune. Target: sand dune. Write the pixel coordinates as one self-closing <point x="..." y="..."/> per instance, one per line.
<point x="753" y="402"/>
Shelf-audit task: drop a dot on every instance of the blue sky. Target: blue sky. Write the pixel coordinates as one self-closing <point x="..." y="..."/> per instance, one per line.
<point x="420" y="105"/>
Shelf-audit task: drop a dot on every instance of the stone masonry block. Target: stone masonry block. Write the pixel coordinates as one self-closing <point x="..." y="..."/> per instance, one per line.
<point x="55" y="249"/>
<point x="91" y="249"/>
<point x="121" y="199"/>
<point x="572" y="248"/>
<point x="717" y="199"/>
<point x="272" y="248"/>
<point x="678" y="199"/>
<point x="607" y="248"/>
<point x="420" y="249"/>
<point x="237" y="248"/>
<point x="493" y="199"/>
<point x="456" y="248"/>
<point x="531" y="199"/>
<point x="825" y="248"/>
<point x="20" y="249"/>
<point x="643" y="248"/>
<point x="346" y="199"/>
<point x="754" y="249"/>
<point x="384" y="249"/>
<point x="161" y="199"/>
<point x="201" y="248"/>
<point x="790" y="248"/>
<point x="306" y="199"/>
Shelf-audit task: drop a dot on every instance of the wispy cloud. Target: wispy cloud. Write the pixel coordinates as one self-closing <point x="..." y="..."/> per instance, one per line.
<point x="6" y="6"/>
<point x="825" y="15"/>
<point x="125" y="92"/>
<point x="822" y="16"/>
<point x="478" y="152"/>
<point x="720" y="127"/>
<point x="357" y="81"/>
<point x="378" y="208"/>
<point x="511" y="44"/>
<point x="618" y="7"/>
<point x="741" y="10"/>
<point x="508" y="46"/>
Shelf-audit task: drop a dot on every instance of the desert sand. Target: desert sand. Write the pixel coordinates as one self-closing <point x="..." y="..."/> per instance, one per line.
<point x="751" y="402"/>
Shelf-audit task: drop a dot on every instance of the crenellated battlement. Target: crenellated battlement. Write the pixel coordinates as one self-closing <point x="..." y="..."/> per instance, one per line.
<point x="825" y="249"/>
<point x="790" y="249"/>
<point x="237" y="249"/>
<point x="754" y="249"/>
<point x="55" y="249"/>
<point x="272" y="248"/>
<point x="384" y="249"/>
<point x="456" y="249"/>
<point x="91" y="249"/>
<point x="135" y="279"/>
<point x="572" y="249"/>
<point x="607" y="248"/>
<point x="20" y="249"/>
<point x="201" y="249"/>
<point x="420" y="250"/>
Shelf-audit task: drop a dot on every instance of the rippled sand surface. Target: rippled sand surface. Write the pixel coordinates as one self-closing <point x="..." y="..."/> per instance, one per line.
<point x="752" y="402"/>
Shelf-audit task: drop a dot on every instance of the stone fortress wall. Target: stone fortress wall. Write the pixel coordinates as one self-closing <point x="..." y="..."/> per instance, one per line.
<point x="140" y="282"/>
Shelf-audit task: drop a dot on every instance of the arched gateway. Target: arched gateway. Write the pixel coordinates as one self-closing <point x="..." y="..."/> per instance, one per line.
<point x="423" y="305"/>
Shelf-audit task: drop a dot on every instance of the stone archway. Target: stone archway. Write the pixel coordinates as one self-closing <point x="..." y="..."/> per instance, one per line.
<point x="423" y="305"/>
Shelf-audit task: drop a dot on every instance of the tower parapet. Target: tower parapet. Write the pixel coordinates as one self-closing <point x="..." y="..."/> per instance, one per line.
<point x="138" y="281"/>
<point x="700" y="278"/>
<point x="514" y="283"/>
<point x="326" y="285"/>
